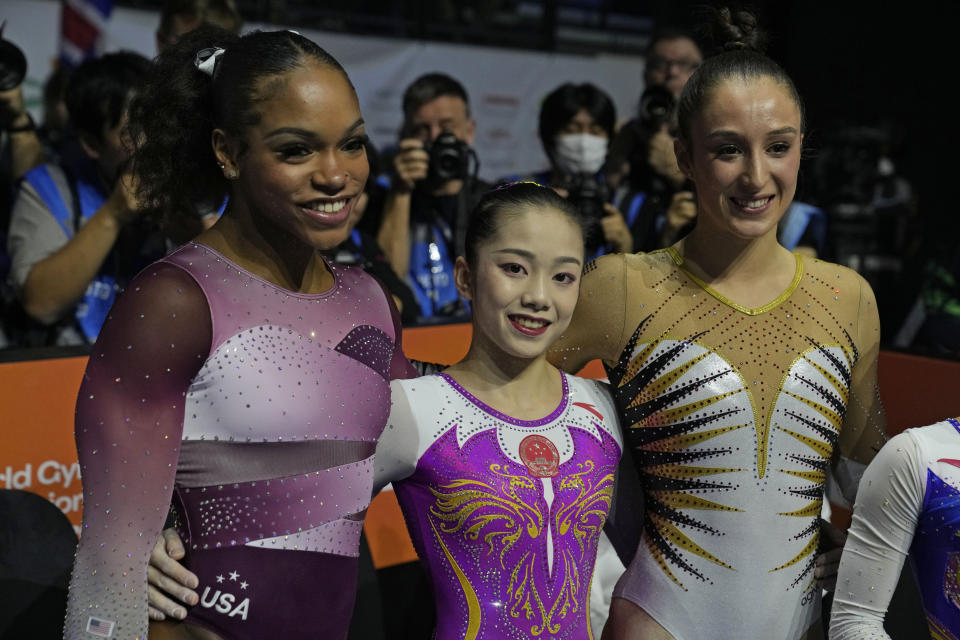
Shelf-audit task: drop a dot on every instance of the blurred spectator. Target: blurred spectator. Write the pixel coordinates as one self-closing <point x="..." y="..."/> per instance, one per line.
<point x="17" y="128"/>
<point x="576" y="124"/>
<point x="432" y="190"/>
<point x="672" y="57"/>
<point x="361" y="249"/>
<point x="22" y="147"/>
<point x="183" y="16"/>
<point x="75" y="233"/>
<point x="651" y="191"/>
<point x="56" y="119"/>
<point x="936" y="317"/>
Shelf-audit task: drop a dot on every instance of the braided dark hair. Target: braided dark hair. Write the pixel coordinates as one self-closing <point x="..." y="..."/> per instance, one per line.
<point x="736" y="45"/>
<point x="174" y="116"/>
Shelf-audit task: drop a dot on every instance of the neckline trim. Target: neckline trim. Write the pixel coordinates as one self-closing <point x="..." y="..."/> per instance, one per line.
<point x="305" y="296"/>
<point x="556" y="413"/>
<point x="750" y="311"/>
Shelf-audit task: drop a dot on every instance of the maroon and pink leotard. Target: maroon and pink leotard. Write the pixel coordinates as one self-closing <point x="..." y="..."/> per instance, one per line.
<point x="257" y="411"/>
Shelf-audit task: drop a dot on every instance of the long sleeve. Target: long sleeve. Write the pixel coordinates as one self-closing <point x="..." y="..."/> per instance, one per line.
<point x="884" y="520"/>
<point x="396" y="456"/>
<point x="864" y="425"/>
<point x="129" y="422"/>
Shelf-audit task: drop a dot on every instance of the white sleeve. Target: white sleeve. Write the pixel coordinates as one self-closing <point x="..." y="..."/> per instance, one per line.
<point x="884" y="520"/>
<point x="398" y="447"/>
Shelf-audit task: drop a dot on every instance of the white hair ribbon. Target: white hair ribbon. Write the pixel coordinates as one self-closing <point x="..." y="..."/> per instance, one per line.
<point x="206" y="60"/>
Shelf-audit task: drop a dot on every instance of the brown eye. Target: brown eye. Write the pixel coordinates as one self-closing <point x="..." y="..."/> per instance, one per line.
<point x="780" y="148"/>
<point x="513" y="268"/>
<point x="294" y="151"/>
<point x="728" y="150"/>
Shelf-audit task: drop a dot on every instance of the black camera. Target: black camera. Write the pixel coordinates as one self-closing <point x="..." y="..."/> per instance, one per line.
<point x="657" y="107"/>
<point x="13" y="69"/>
<point x="449" y="159"/>
<point x="589" y="195"/>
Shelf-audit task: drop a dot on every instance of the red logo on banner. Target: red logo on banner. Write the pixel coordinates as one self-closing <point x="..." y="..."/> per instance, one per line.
<point x="540" y="455"/>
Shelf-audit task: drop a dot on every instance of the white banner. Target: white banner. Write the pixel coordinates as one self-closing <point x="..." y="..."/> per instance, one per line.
<point x="505" y="86"/>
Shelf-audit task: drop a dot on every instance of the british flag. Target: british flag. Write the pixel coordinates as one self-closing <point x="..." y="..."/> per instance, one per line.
<point x="81" y="24"/>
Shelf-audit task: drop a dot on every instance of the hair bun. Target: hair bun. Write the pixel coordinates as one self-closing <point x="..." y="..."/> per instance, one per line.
<point x="732" y="30"/>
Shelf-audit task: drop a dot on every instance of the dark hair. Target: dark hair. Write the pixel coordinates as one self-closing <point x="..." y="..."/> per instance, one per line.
<point x="221" y="13"/>
<point x="428" y="87"/>
<point x="511" y="199"/>
<point x="738" y="46"/>
<point x="565" y="101"/>
<point x="99" y="89"/>
<point x="177" y="111"/>
<point x="665" y="34"/>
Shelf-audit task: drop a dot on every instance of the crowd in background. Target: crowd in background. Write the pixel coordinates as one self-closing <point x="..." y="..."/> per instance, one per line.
<point x="73" y="234"/>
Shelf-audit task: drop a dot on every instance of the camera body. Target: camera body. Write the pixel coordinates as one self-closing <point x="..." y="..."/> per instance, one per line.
<point x="589" y="194"/>
<point x="449" y="159"/>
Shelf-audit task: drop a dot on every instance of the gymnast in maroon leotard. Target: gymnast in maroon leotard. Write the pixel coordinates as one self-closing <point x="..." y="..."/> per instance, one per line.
<point x="242" y="377"/>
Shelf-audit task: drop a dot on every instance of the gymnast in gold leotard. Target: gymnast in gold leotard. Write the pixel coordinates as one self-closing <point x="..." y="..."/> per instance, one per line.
<point x="745" y="376"/>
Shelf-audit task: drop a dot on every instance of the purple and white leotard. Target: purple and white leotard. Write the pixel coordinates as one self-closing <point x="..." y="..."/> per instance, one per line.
<point x="257" y="410"/>
<point x="908" y="504"/>
<point x="504" y="513"/>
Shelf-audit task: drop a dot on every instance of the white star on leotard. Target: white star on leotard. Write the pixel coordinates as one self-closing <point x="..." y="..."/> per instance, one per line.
<point x="219" y="579"/>
<point x="243" y="585"/>
<point x="234" y="575"/>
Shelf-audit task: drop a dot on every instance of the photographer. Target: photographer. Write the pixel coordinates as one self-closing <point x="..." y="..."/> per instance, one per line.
<point x="16" y="125"/>
<point x="75" y="231"/>
<point x="433" y="188"/>
<point x="650" y="189"/>
<point x="576" y="123"/>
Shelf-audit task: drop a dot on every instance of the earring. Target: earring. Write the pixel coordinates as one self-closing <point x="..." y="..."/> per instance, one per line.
<point x="221" y="165"/>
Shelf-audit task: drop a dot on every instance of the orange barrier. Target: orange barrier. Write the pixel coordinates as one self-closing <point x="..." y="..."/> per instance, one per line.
<point x="37" y="451"/>
<point x="37" y="397"/>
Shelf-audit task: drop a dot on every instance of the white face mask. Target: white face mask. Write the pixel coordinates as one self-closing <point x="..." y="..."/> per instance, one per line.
<point x="579" y="152"/>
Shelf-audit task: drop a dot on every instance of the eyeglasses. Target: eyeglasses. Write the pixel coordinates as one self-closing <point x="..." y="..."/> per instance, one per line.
<point x="662" y="64"/>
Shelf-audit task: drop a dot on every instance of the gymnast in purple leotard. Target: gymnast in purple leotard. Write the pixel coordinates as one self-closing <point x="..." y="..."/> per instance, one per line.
<point x="242" y="377"/>
<point x="504" y="466"/>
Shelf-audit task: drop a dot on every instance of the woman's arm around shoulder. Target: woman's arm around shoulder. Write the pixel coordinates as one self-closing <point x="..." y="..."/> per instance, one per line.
<point x="596" y="330"/>
<point x="864" y="428"/>
<point x="129" y="422"/>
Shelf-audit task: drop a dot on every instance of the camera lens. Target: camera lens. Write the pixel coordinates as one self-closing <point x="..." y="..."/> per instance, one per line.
<point x="448" y="158"/>
<point x="13" y="66"/>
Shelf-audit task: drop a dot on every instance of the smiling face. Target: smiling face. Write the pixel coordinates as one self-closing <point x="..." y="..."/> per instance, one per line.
<point x="743" y="154"/>
<point x="525" y="282"/>
<point x="304" y="165"/>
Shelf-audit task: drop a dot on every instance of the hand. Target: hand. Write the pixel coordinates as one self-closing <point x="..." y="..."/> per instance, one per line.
<point x="663" y="159"/>
<point x="13" y="108"/>
<point x="410" y="164"/>
<point x="827" y="563"/>
<point x="682" y="210"/>
<point x="125" y="205"/>
<point x="167" y="577"/>
<point x="615" y="230"/>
